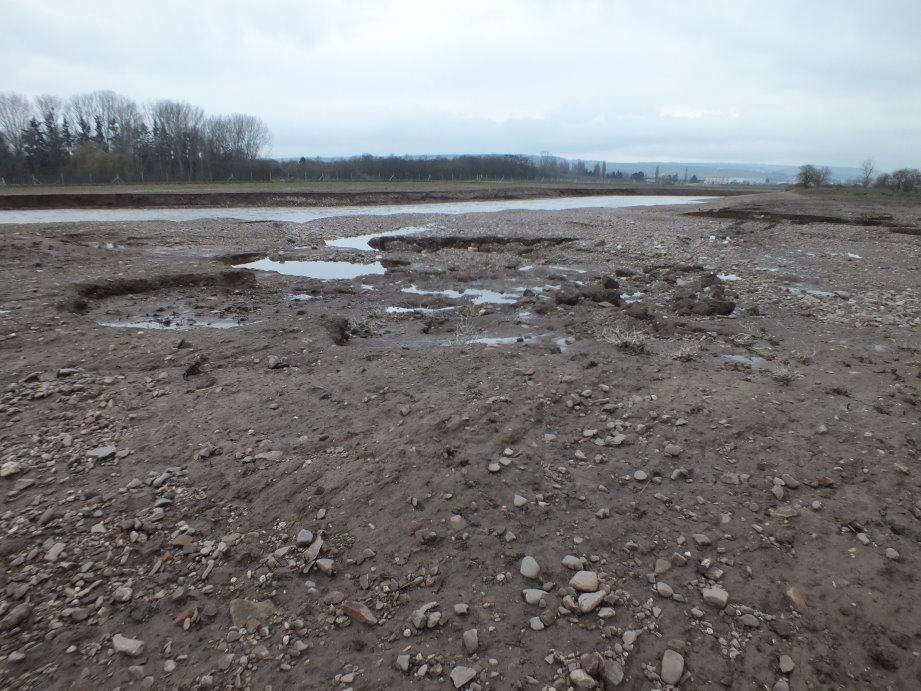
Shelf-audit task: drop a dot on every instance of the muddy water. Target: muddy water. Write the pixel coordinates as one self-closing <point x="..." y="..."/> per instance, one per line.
<point x="326" y="271"/>
<point x="303" y="215"/>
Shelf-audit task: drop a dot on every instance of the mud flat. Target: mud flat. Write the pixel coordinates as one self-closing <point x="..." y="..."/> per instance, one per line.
<point x="590" y="448"/>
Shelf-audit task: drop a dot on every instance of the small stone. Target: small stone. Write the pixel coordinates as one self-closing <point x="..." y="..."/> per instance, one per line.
<point x="664" y="589"/>
<point x="701" y="540"/>
<point x="536" y="624"/>
<point x="461" y="676"/>
<point x="403" y="663"/>
<point x="796" y="598"/>
<point x="471" y="641"/>
<point x="304" y="538"/>
<point x="16" y="616"/>
<point x="529" y="567"/>
<point x="892" y="554"/>
<point x="127" y="646"/>
<point x="533" y="596"/>
<point x="581" y="679"/>
<point x="588" y="602"/>
<point x="584" y="581"/>
<point x="518" y="501"/>
<point x="672" y="450"/>
<point x="640" y="475"/>
<point x="613" y="673"/>
<point x="457" y="523"/>
<point x="571" y="562"/>
<point x="786" y="664"/>
<point x="359" y="612"/>
<point x="863" y="538"/>
<point x="9" y="469"/>
<point x="716" y="596"/>
<point x="750" y="620"/>
<point x="672" y="667"/>
<point x="662" y="565"/>
<point x="101" y="453"/>
<point x="55" y="552"/>
<point x="461" y="609"/>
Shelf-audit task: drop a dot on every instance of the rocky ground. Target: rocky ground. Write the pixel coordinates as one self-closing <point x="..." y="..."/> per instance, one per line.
<point x="692" y="457"/>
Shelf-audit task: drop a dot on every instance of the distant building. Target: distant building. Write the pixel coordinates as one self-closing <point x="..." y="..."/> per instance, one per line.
<point x="716" y="180"/>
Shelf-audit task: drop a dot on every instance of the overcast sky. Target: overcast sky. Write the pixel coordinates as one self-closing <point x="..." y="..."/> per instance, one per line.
<point x="825" y="81"/>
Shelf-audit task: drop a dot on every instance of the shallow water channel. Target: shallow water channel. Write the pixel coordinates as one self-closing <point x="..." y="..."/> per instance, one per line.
<point x="305" y="214"/>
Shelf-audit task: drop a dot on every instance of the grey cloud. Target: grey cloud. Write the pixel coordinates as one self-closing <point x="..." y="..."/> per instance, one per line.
<point x="830" y="82"/>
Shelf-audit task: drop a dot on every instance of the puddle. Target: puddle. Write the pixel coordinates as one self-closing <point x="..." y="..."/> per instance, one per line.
<point x="630" y="299"/>
<point x="104" y="245"/>
<point x="324" y="271"/>
<point x="811" y="291"/>
<point x="752" y="361"/>
<point x="302" y="297"/>
<point x="561" y="343"/>
<point x="362" y="242"/>
<point x="177" y="324"/>
<point x="480" y="296"/>
<point x="529" y="267"/>
<point x="568" y="268"/>
<point x="522" y="339"/>
<point x="852" y="256"/>
<point x="502" y="340"/>
<point x="422" y="310"/>
<point x="772" y="270"/>
<point x="727" y="277"/>
<point x="305" y="214"/>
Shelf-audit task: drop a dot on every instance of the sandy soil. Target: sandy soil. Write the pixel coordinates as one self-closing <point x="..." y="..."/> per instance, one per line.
<point x="701" y="467"/>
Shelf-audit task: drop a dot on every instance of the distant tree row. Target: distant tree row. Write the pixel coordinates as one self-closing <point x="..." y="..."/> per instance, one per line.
<point x="104" y="136"/>
<point x="488" y="167"/>
<point x="902" y="180"/>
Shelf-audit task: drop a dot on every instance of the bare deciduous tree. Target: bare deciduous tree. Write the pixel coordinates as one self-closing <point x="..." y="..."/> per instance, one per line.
<point x="15" y="112"/>
<point x="866" y="172"/>
<point x="813" y="176"/>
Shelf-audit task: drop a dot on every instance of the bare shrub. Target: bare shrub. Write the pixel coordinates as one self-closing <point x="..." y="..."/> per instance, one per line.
<point x="627" y="339"/>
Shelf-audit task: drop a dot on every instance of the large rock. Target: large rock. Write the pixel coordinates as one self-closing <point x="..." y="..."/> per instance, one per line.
<point x="672" y="667"/>
<point x="588" y="602"/>
<point x="716" y="596"/>
<point x="461" y="676"/>
<point x="131" y="647"/>
<point x="613" y="673"/>
<point x="529" y="567"/>
<point x="16" y="616"/>
<point x="584" y="581"/>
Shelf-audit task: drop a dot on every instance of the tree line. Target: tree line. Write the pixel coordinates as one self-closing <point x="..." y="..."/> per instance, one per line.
<point x="466" y="167"/>
<point x="104" y="137"/>
<point x="901" y="180"/>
